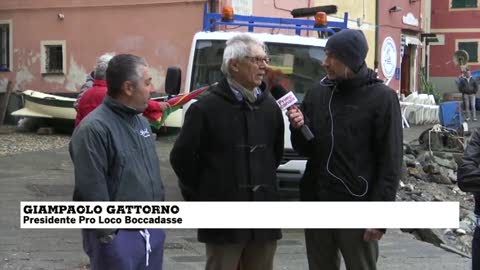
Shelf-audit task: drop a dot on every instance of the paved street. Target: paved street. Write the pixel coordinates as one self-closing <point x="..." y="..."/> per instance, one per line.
<point x="48" y="175"/>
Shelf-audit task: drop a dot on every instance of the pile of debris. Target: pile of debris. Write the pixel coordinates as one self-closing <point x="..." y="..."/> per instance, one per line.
<point x="429" y="174"/>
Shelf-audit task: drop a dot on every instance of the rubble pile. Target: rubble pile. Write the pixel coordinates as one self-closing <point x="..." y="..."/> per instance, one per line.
<point x="429" y="174"/>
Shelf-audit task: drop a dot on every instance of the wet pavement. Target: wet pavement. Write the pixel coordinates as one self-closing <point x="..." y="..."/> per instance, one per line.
<point x="48" y="176"/>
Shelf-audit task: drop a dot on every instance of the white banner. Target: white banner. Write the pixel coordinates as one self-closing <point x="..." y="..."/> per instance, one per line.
<point x="189" y="215"/>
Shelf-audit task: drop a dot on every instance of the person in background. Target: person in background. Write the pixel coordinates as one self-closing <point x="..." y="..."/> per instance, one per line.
<point x="114" y="158"/>
<point x="85" y="86"/>
<point x="228" y="149"/>
<point x="93" y="97"/>
<point x="356" y="154"/>
<point x="468" y="86"/>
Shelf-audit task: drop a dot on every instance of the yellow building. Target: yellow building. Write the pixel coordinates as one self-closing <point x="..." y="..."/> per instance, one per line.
<point x="361" y="15"/>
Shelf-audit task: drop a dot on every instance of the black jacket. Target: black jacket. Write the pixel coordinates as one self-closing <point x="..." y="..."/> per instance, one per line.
<point x="367" y="139"/>
<point x="468" y="174"/>
<point x="468" y="86"/>
<point x="229" y="150"/>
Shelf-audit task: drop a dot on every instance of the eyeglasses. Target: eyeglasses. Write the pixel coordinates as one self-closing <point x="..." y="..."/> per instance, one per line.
<point x="258" y="60"/>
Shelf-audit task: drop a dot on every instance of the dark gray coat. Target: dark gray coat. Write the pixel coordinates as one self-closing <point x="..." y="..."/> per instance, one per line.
<point x="468" y="86"/>
<point x="229" y="150"/>
<point x="114" y="156"/>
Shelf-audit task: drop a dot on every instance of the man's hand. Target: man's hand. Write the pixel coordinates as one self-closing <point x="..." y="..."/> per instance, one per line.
<point x="164" y="106"/>
<point x="105" y="239"/>
<point x="295" y="117"/>
<point x="372" y="235"/>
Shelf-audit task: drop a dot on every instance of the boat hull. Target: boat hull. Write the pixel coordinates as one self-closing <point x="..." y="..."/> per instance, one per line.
<point x="42" y="105"/>
<point x="38" y="104"/>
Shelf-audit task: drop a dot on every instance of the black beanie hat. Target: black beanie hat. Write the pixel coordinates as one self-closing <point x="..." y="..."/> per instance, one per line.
<point x="350" y="47"/>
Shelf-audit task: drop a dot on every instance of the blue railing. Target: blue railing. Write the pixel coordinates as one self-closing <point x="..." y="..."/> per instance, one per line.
<point x="210" y="20"/>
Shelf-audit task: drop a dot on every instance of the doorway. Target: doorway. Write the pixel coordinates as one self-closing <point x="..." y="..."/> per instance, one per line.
<point x="405" y="71"/>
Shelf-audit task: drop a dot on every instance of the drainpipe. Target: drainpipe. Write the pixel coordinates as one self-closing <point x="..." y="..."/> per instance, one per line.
<point x="427" y="46"/>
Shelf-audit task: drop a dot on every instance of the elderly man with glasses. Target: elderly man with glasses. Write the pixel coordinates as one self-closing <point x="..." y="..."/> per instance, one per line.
<point x="228" y="150"/>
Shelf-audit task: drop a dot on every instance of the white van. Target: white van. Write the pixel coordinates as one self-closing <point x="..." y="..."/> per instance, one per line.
<point x="299" y="58"/>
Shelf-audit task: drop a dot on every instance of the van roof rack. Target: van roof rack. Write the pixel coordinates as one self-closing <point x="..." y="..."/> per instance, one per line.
<point x="210" y="20"/>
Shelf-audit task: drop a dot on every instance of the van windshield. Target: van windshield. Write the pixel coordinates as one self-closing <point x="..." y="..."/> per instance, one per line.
<point x="299" y="64"/>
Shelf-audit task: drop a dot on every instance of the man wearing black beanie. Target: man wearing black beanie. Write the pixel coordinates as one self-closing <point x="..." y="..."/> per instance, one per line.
<point x="357" y="151"/>
<point x="349" y="47"/>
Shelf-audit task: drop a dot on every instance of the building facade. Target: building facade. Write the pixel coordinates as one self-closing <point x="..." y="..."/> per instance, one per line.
<point x="399" y="53"/>
<point x="361" y="15"/>
<point x="456" y="25"/>
<point x="51" y="45"/>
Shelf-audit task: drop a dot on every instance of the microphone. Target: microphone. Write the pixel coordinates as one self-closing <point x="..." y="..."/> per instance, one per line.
<point x="286" y="101"/>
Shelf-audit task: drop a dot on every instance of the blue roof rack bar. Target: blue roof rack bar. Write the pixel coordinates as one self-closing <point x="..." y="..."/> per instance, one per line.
<point x="259" y="25"/>
<point x="210" y="20"/>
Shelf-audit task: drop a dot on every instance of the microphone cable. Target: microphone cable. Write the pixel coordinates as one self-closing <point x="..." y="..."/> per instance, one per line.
<point x="330" y="84"/>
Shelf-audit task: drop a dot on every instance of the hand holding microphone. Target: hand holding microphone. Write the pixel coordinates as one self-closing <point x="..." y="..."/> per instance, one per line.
<point x="286" y="100"/>
<point x="295" y="116"/>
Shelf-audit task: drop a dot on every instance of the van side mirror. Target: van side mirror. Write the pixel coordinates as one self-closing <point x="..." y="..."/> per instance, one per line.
<point x="173" y="80"/>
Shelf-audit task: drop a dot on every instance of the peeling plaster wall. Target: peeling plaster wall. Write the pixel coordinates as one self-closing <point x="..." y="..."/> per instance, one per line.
<point x="158" y="77"/>
<point x="145" y="30"/>
<point x="24" y="65"/>
<point x="58" y="79"/>
<point x="3" y="85"/>
<point x="32" y="59"/>
<point x="23" y="77"/>
<point x="76" y="76"/>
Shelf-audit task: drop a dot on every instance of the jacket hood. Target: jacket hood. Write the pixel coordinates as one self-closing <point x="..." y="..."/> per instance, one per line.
<point x="364" y="76"/>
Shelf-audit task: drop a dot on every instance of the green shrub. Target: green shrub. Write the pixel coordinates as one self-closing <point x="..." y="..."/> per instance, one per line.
<point x="427" y="87"/>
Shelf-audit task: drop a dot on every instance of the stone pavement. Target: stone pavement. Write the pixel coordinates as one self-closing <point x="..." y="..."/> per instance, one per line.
<point x="48" y="175"/>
